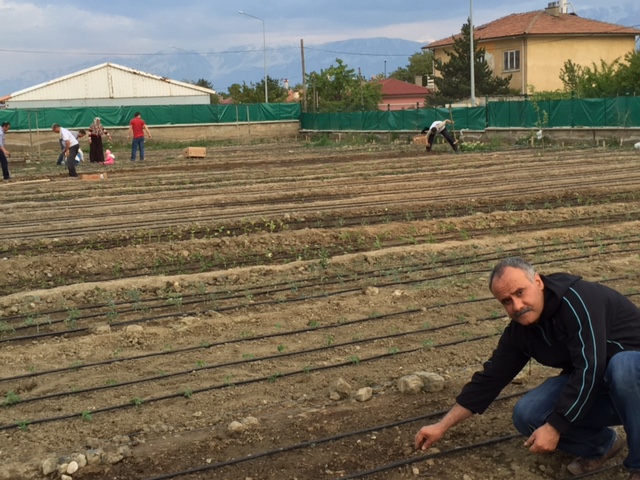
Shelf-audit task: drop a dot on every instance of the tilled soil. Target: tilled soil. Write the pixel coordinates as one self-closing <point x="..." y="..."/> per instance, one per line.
<point x="144" y="314"/>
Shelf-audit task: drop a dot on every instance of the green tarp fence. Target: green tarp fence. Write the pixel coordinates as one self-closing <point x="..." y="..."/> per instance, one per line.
<point x="593" y="112"/>
<point x="620" y="112"/>
<point x="81" y="117"/>
<point x="415" y="119"/>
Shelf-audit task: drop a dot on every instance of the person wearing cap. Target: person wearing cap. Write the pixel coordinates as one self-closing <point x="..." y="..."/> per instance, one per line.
<point x="439" y="127"/>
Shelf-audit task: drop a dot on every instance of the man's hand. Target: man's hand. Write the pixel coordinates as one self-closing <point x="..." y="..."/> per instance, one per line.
<point x="427" y="436"/>
<point x="544" y="439"/>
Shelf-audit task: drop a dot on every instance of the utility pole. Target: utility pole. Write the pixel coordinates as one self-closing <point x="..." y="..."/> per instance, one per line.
<point x="304" y="78"/>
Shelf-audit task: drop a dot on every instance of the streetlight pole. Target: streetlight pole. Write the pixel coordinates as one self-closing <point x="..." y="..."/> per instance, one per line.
<point x="264" y="49"/>
<point x="473" y="57"/>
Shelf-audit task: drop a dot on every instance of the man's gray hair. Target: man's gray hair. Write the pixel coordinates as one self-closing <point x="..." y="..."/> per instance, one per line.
<point x="513" y="262"/>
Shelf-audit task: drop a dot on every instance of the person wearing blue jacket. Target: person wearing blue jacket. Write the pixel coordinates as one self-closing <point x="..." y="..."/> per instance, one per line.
<point x="588" y="331"/>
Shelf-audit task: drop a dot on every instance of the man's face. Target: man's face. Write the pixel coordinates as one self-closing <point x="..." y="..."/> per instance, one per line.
<point x="6" y="128"/>
<point x="521" y="297"/>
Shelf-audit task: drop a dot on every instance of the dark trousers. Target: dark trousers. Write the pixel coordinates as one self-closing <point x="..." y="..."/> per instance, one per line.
<point x="5" y="165"/>
<point x="71" y="160"/>
<point x="445" y="133"/>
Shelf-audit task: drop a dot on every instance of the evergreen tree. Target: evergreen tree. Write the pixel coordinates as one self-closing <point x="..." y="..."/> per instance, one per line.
<point x="454" y="82"/>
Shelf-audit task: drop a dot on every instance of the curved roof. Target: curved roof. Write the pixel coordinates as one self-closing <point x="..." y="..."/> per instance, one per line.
<point x="540" y="23"/>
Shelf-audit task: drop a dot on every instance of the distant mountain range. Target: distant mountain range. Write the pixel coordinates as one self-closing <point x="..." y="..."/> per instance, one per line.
<point x="246" y="63"/>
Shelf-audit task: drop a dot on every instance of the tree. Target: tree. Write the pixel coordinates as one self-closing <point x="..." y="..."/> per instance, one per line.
<point x="420" y="63"/>
<point x="254" y="92"/>
<point x="340" y="89"/>
<point x="628" y="74"/>
<point x="620" y="77"/>
<point x="454" y="82"/>
<point x="202" y="82"/>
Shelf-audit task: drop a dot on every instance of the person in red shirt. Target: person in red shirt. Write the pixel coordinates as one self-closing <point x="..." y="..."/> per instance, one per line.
<point x="137" y="129"/>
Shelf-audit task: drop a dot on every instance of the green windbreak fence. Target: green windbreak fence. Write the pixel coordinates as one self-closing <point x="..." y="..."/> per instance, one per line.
<point x="417" y="119"/>
<point x="593" y="112"/>
<point x="81" y="117"/>
<point x="598" y="112"/>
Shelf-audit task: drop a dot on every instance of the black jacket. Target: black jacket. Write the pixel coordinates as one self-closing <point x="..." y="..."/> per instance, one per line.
<point x="583" y="325"/>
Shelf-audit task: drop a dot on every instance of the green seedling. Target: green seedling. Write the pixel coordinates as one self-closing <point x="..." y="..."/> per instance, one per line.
<point x="11" y="398"/>
<point x="137" y="401"/>
<point x="86" y="416"/>
<point x="188" y="393"/>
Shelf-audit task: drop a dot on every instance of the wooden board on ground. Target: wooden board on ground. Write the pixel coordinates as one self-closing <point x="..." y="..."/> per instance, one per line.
<point x="93" y="177"/>
<point x="195" y="152"/>
<point x="420" y="140"/>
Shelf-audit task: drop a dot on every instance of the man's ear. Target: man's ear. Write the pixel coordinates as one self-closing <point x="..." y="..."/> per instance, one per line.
<point x="537" y="280"/>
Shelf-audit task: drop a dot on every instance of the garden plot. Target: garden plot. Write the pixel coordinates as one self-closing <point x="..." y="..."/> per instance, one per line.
<point x="229" y="317"/>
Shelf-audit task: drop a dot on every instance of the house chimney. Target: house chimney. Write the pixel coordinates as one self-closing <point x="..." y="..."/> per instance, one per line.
<point x="553" y="8"/>
<point x="418" y="80"/>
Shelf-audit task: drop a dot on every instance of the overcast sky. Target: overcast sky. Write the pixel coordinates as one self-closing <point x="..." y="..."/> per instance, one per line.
<point x="47" y="35"/>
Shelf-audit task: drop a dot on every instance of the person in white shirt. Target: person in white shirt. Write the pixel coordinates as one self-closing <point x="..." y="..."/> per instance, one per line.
<point x="71" y="146"/>
<point x="439" y="126"/>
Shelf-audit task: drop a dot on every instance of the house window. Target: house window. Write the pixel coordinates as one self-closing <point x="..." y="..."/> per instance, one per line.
<point x="512" y="60"/>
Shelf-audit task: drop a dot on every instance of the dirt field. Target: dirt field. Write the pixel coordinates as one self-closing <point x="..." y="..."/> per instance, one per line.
<point x="199" y="318"/>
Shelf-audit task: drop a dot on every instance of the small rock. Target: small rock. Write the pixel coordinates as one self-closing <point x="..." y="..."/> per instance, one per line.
<point x="410" y="384"/>
<point x="466" y="477"/>
<point x="133" y="329"/>
<point x="251" y="422"/>
<point x="112" y="457"/>
<point x="49" y="466"/>
<point x="371" y="291"/>
<point x="72" y="467"/>
<point x="341" y="387"/>
<point x="335" y="396"/>
<point x="101" y="329"/>
<point x="66" y="477"/>
<point x="432" y="381"/>
<point x="124" y="450"/>
<point x="415" y="470"/>
<point x="93" y="456"/>
<point x="235" y="427"/>
<point x="363" y="394"/>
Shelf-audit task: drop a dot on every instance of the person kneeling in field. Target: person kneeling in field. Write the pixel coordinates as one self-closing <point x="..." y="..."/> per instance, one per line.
<point x="588" y="331"/>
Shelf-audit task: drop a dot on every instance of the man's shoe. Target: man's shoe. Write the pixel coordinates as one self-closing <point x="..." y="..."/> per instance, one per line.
<point x="580" y="465"/>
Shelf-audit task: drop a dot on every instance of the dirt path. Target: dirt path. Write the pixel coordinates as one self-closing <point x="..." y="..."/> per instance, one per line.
<point x="144" y="314"/>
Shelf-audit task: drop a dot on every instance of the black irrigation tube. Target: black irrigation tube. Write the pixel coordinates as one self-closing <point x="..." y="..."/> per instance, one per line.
<point x="245" y="361"/>
<point x="270" y="378"/>
<point x="196" y="265"/>
<point x="269" y="209"/>
<point x="378" y="273"/>
<point x="318" y="441"/>
<point x="422" y="458"/>
<point x="272" y="302"/>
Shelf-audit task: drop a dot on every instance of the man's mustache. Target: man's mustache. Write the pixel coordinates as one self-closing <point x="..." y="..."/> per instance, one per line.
<point x="521" y="312"/>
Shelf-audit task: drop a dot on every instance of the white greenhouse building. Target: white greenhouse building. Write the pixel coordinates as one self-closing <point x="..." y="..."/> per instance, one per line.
<point x="109" y="85"/>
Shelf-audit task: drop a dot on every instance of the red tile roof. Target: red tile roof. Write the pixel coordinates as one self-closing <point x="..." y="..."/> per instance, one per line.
<point x="540" y="23"/>
<point x="393" y="87"/>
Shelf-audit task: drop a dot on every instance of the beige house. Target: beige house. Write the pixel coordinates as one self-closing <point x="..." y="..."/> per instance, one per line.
<point x="533" y="46"/>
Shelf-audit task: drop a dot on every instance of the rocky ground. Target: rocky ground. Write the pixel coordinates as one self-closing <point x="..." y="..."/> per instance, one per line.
<point x="285" y="310"/>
